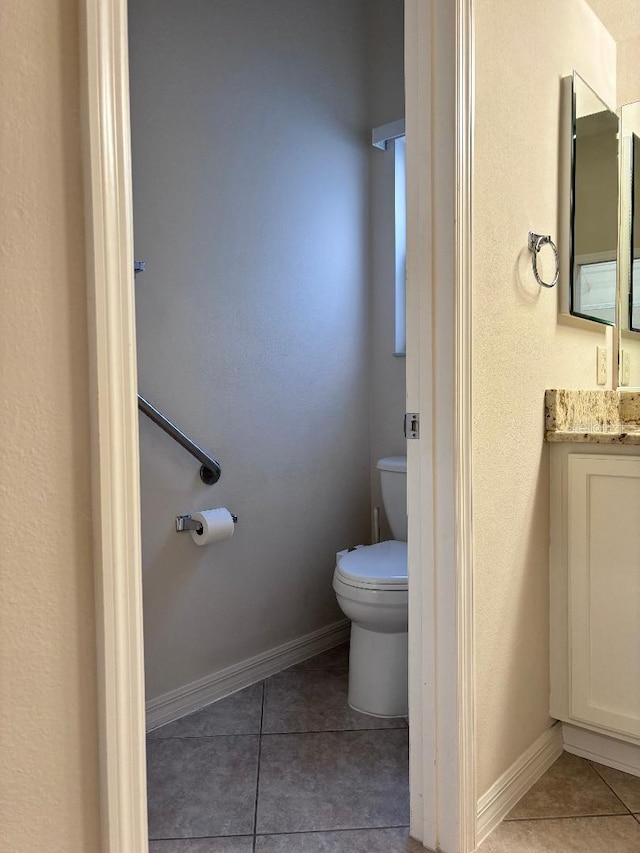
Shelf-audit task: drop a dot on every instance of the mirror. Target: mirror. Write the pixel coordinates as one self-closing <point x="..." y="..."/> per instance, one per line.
<point x="594" y="207"/>
<point x="634" y="259"/>
<point x="629" y="269"/>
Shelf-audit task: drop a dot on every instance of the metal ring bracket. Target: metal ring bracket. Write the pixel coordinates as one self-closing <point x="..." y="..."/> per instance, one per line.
<point x="536" y="242"/>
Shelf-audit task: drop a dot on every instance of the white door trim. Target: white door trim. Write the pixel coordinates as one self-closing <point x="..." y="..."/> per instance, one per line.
<point x="439" y="51"/>
<point x="114" y="455"/>
<point x="465" y="82"/>
<point x="439" y="78"/>
<point x="419" y="366"/>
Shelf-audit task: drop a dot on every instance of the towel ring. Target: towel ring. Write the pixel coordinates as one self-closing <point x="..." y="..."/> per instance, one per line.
<point x="536" y="242"/>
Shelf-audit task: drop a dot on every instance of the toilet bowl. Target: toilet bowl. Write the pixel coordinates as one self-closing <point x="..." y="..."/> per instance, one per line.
<point x="371" y="587"/>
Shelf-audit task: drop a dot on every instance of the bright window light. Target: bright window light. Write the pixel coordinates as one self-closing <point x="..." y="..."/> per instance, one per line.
<point x="399" y="149"/>
<point x="596" y="289"/>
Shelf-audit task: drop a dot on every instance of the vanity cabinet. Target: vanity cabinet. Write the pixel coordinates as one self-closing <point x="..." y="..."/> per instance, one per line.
<point x="595" y="587"/>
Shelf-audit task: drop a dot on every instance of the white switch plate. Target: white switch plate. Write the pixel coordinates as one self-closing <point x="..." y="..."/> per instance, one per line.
<point x="601" y="365"/>
<point x="625" y="372"/>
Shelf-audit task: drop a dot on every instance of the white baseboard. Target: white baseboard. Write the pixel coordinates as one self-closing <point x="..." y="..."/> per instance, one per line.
<point x="191" y="697"/>
<point x="605" y="750"/>
<point x="497" y="802"/>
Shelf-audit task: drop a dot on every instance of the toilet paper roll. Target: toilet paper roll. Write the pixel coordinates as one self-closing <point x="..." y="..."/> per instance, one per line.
<point x="217" y="525"/>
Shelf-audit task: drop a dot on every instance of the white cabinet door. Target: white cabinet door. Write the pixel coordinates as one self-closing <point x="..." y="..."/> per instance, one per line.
<point x="604" y="591"/>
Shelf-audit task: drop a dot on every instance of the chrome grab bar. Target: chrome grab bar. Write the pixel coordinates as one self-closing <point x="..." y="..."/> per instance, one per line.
<point x="210" y="470"/>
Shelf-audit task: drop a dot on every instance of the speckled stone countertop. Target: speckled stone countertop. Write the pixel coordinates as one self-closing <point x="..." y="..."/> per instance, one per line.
<point x="599" y="417"/>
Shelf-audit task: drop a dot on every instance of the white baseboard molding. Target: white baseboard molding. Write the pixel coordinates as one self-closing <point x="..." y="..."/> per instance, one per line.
<point x="601" y="748"/>
<point x="191" y="697"/>
<point x="497" y="802"/>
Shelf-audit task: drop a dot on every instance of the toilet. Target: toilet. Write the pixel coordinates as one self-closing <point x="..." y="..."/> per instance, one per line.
<point x="370" y="582"/>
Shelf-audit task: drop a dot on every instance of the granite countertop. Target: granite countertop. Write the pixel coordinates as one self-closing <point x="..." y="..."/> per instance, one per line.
<point x="598" y="417"/>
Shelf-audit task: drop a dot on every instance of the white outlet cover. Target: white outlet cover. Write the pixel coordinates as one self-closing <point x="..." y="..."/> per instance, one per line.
<point x="626" y="368"/>
<point x="601" y="365"/>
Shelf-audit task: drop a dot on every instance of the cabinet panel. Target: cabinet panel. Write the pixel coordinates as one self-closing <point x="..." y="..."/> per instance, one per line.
<point x="604" y="591"/>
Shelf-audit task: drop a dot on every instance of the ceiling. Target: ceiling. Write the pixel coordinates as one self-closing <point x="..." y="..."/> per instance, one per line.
<point x="620" y="17"/>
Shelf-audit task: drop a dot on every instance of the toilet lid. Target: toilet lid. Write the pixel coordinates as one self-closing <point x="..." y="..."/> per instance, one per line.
<point x="383" y="565"/>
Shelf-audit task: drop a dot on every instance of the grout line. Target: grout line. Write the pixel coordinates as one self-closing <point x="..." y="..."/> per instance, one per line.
<point x="335" y="731"/>
<point x="339" y="829"/>
<point x="204" y="737"/>
<point x="596" y="771"/>
<point x="198" y="837"/>
<point x="290" y="832"/>
<point x="338" y="731"/>
<point x="565" y="817"/>
<point x="267" y="734"/>
<point x="255" y="807"/>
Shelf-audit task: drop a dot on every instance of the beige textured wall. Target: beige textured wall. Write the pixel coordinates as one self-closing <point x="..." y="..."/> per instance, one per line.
<point x="628" y="71"/>
<point x="48" y="739"/>
<point x="520" y="348"/>
<point x="628" y="81"/>
<point x="620" y="17"/>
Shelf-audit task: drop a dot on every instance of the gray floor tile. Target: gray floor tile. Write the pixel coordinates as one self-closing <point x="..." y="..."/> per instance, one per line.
<point x="204" y="845"/>
<point x="315" y="701"/>
<point x="333" y="780"/>
<point x="573" y="835"/>
<point x="238" y="714"/>
<point x="346" y="841"/>
<point x="570" y="788"/>
<point x="201" y="787"/>
<point x="336" y="658"/>
<point x="627" y="787"/>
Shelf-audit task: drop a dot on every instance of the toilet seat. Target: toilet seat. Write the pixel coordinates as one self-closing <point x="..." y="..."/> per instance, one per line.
<point x="382" y="566"/>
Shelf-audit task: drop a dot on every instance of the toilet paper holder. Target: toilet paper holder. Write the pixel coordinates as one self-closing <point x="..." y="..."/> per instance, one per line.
<point x="186" y="522"/>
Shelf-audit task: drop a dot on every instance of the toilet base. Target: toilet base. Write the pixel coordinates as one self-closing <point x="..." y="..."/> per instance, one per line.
<point x="378" y="673"/>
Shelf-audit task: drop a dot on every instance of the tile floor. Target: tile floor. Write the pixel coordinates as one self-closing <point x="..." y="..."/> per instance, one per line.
<point x="577" y="807"/>
<point x="284" y="766"/>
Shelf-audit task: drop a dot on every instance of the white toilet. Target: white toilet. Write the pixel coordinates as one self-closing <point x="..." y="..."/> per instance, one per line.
<point x="370" y="583"/>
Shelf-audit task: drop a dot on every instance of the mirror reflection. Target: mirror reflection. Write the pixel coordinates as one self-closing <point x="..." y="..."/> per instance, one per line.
<point x="594" y="209"/>
<point x="634" y="289"/>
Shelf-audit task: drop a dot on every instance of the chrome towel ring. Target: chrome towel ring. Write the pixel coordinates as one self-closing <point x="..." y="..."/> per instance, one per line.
<point x="536" y="242"/>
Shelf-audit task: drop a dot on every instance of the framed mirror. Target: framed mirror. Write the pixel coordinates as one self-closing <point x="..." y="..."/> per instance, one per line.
<point x="593" y="237"/>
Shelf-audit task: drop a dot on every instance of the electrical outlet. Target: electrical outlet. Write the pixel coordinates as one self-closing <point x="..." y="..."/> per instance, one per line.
<point x="625" y="367"/>
<point x="601" y="365"/>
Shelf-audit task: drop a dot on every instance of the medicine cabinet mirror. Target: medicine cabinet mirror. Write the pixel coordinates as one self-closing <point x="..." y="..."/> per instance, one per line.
<point x="593" y="235"/>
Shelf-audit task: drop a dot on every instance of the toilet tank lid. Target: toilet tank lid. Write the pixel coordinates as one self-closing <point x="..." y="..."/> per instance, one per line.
<point x="393" y="463"/>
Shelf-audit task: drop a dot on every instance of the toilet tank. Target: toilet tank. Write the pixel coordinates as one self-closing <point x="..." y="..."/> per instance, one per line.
<point x="393" y="480"/>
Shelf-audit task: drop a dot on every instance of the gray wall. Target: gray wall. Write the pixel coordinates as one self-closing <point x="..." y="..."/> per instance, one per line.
<point x="251" y="211"/>
<point x="252" y="208"/>
<point x="387" y="372"/>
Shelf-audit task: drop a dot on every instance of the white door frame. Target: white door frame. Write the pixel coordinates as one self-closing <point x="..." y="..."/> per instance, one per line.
<point x="114" y="457"/>
<point x="439" y="78"/>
